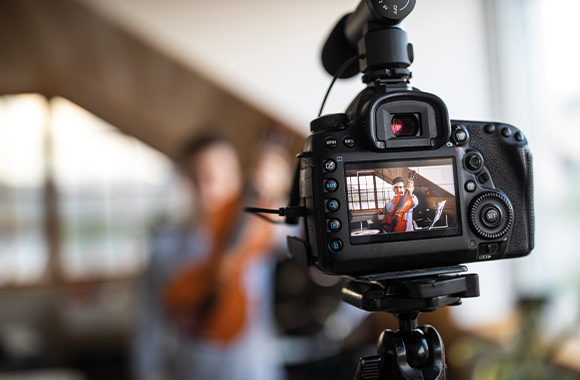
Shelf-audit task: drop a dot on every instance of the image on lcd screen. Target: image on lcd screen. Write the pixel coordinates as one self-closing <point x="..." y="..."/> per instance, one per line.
<point x="412" y="199"/>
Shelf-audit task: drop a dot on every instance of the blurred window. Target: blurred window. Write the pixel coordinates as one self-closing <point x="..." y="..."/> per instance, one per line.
<point x="77" y="196"/>
<point x="556" y="133"/>
<point x="367" y="192"/>
<point x="538" y="90"/>
<point x="361" y="192"/>
<point x="23" y="249"/>
<point x="540" y="93"/>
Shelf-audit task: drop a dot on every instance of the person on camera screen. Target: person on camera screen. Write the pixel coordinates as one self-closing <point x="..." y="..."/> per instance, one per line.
<point x="399" y="211"/>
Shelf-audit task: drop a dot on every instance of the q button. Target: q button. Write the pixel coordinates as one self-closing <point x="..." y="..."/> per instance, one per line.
<point x="332" y="205"/>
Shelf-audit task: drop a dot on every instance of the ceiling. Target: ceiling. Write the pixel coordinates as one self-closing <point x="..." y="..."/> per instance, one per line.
<point x="164" y="70"/>
<point x="65" y="48"/>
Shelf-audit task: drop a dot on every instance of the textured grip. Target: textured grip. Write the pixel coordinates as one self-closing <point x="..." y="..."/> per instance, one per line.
<point x="510" y="164"/>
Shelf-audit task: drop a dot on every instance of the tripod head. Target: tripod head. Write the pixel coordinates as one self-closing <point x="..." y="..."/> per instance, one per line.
<point x="412" y="353"/>
<point x="373" y="32"/>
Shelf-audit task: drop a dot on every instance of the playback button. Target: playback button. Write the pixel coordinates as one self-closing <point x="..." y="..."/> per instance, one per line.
<point x="334" y="225"/>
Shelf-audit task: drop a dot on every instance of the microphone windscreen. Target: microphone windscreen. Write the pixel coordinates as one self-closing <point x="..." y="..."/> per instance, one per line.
<point x="338" y="50"/>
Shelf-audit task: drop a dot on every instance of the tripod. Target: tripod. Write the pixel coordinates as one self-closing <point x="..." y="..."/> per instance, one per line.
<point x="413" y="353"/>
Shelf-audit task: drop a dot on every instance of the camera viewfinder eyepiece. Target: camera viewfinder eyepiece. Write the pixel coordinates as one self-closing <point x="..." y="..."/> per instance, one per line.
<point x="405" y="125"/>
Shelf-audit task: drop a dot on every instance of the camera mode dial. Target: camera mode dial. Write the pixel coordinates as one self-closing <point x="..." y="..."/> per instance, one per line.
<point x="333" y="122"/>
<point x="491" y="215"/>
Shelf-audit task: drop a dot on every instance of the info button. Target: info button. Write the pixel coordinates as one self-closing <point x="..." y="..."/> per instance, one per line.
<point x="348" y="142"/>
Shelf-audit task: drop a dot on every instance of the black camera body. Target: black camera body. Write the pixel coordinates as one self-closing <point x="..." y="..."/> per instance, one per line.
<point x="472" y="197"/>
<point x="397" y="196"/>
<point x="393" y="184"/>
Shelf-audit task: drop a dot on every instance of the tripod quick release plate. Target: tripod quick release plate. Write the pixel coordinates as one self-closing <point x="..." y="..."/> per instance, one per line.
<point x="421" y="294"/>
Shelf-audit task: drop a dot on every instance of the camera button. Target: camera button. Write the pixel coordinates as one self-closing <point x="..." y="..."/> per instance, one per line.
<point x="490" y="128"/>
<point x="474" y="161"/>
<point x="331" y="185"/>
<point x="483" y="178"/>
<point x="519" y="136"/>
<point x="460" y="135"/>
<point x="348" y="142"/>
<point x="335" y="245"/>
<point x="506" y="132"/>
<point x="491" y="216"/>
<point x="492" y="248"/>
<point x="329" y="165"/>
<point x="332" y="205"/>
<point x="490" y="251"/>
<point x="331" y="142"/>
<point x="470" y="186"/>
<point x="334" y="225"/>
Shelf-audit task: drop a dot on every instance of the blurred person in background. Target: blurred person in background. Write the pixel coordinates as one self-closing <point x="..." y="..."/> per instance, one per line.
<point x="207" y="292"/>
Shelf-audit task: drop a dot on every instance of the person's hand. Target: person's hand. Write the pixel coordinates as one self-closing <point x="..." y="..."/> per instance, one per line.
<point x="410" y="187"/>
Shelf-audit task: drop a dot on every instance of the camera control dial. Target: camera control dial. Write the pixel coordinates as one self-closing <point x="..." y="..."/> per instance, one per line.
<point x="491" y="215"/>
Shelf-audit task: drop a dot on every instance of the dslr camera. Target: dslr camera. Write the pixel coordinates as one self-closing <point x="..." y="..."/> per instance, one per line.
<point x="393" y="184"/>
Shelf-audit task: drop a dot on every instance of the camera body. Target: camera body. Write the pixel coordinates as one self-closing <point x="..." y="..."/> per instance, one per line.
<point x="467" y="187"/>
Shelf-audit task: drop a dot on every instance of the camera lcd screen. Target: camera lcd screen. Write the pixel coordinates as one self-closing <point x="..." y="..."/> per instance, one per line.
<point x="402" y="200"/>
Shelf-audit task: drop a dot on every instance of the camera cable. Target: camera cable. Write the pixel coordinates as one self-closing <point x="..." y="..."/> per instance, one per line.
<point x="291" y="211"/>
<point x="337" y="75"/>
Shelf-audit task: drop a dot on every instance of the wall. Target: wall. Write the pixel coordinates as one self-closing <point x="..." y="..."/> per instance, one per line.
<point x="269" y="53"/>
